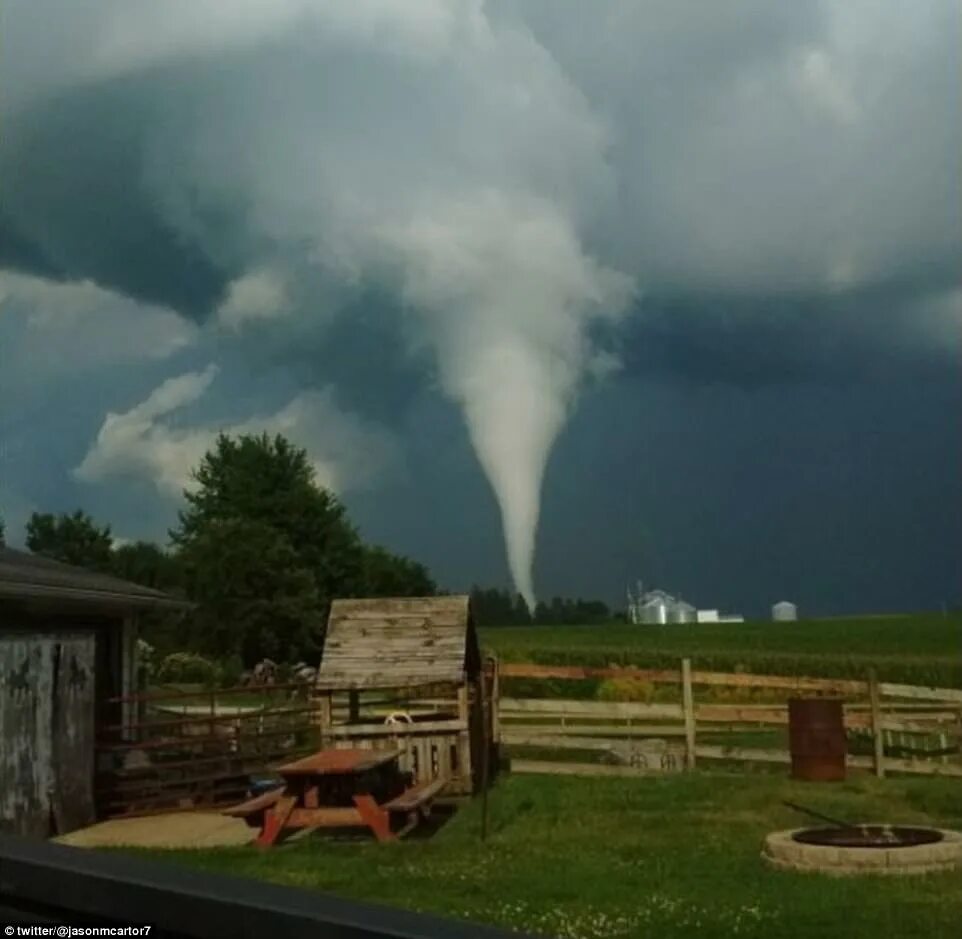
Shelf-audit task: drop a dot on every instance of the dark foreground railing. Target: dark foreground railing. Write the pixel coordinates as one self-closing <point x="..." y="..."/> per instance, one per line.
<point x="43" y="884"/>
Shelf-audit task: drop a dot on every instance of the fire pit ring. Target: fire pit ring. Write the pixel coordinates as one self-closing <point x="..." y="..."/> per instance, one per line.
<point x="874" y="848"/>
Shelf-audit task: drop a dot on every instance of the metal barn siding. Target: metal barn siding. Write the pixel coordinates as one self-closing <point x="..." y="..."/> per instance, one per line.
<point x="46" y="723"/>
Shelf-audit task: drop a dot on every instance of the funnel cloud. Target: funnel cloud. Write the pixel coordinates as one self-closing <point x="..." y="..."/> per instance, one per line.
<point x="779" y="181"/>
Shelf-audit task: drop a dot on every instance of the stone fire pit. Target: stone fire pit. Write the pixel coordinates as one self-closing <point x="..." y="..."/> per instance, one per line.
<point x="865" y="849"/>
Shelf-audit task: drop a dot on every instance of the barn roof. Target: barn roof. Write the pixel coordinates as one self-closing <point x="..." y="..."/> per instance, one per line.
<point x="398" y="642"/>
<point x="26" y="576"/>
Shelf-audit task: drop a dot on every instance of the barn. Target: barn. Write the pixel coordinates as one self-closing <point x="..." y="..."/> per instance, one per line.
<point x="407" y="673"/>
<point x="67" y="647"/>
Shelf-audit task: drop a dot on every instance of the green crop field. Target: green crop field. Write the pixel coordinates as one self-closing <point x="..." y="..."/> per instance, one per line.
<point x="675" y="856"/>
<point x="924" y="649"/>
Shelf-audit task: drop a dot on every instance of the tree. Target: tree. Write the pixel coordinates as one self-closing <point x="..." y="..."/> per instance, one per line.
<point x="256" y="597"/>
<point x="73" y="539"/>
<point x="264" y="549"/>
<point x="147" y="564"/>
<point x="393" y="575"/>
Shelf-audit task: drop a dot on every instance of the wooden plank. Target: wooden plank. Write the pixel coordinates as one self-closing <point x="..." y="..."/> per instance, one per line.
<point x="325" y="715"/>
<point x="878" y="741"/>
<point x="917" y="726"/>
<point x="667" y="676"/>
<point x="374" y="817"/>
<point x="356" y="605"/>
<point x="327" y="817"/>
<point x="395" y="730"/>
<point x="495" y="701"/>
<point x="26" y="745"/>
<point x="417" y="796"/>
<point x="891" y="690"/>
<point x="364" y="642"/>
<point x="740" y="714"/>
<point x="73" y="732"/>
<point x="275" y="820"/>
<point x="558" y="742"/>
<point x="333" y="762"/>
<point x="441" y="624"/>
<point x="335" y="681"/>
<point x="519" y="709"/>
<point x="258" y="804"/>
<point x="555" y="768"/>
<point x="464" y="738"/>
<point x="600" y="709"/>
<point x="688" y="706"/>
<point x="743" y="754"/>
<point x="154" y="697"/>
<point x="616" y="731"/>
<point x="574" y="672"/>
<point x="921" y="767"/>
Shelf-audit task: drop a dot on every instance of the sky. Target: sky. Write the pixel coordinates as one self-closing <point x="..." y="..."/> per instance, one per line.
<point x="556" y="295"/>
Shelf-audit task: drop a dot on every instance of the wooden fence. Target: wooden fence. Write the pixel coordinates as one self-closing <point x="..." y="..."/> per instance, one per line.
<point x="905" y="728"/>
<point x="193" y="749"/>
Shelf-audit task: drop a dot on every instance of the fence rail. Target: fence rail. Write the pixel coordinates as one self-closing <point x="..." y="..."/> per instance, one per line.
<point x="889" y="717"/>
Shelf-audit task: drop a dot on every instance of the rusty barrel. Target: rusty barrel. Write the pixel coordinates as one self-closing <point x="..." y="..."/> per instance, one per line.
<point x="816" y="732"/>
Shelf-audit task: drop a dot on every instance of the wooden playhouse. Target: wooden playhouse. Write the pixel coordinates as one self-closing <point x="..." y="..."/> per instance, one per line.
<point x="407" y="674"/>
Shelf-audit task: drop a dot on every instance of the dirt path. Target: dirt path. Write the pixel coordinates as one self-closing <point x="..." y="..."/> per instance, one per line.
<point x="175" y="830"/>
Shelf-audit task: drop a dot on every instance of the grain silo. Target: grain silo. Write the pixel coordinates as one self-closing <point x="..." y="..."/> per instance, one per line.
<point x="682" y="612"/>
<point x="655" y="606"/>
<point x="784" y="612"/>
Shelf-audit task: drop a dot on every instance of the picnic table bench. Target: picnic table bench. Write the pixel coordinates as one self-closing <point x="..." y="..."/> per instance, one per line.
<point x="340" y="789"/>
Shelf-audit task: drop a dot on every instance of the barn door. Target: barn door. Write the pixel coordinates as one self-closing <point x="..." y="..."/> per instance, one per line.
<point x="26" y="723"/>
<point x="46" y="733"/>
<point x="73" y="733"/>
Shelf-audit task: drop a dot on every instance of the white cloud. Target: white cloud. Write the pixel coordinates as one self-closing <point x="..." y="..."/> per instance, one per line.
<point x="146" y="442"/>
<point x="258" y="295"/>
<point x="77" y="324"/>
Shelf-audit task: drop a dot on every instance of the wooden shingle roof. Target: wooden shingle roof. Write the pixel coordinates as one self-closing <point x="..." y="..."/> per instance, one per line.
<point x="402" y="642"/>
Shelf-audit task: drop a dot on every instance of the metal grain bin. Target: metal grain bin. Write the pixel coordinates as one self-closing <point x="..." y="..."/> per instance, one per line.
<point x="816" y="731"/>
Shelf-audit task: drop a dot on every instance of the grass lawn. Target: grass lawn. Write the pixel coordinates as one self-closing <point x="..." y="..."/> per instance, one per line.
<point x="607" y="858"/>
<point x="923" y="649"/>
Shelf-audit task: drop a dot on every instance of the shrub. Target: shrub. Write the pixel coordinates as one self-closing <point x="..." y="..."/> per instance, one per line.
<point x="230" y="671"/>
<point x="626" y="689"/>
<point x="187" y="668"/>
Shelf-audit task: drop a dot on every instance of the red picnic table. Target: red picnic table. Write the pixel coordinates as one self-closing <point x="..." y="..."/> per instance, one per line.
<point x="340" y="789"/>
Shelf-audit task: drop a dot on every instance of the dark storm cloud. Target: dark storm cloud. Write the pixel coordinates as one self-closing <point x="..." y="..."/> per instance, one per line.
<point x="479" y="198"/>
<point x="75" y="205"/>
<point x="756" y="341"/>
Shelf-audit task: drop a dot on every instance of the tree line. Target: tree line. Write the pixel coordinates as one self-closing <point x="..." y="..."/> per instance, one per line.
<point x="493" y="607"/>
<point x="261" y="550"/>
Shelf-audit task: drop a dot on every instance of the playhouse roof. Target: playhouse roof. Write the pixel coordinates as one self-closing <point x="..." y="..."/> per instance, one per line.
<point x="398" y="642"/>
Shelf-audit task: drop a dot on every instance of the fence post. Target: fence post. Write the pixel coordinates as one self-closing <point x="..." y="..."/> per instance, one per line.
<point x="326" y="718"/>
<point x="878" y="736"/>
<point x="495" y="704"/>
<point x="688" y="706"/>
<point x="487" y="737"/>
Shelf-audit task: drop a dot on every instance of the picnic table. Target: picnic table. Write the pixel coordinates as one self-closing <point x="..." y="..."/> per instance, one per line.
<point x="340" y="789"/>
